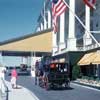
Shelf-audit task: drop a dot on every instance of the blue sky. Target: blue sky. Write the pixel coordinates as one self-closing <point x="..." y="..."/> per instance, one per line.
<point x="18" y="18"/>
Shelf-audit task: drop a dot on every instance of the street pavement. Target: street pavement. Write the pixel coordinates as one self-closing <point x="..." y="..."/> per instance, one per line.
<point x="76" y="92"/>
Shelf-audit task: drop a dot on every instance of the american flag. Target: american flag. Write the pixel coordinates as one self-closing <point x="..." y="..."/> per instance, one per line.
<point x="90" y="3"/>
<point x="58" y="7"/>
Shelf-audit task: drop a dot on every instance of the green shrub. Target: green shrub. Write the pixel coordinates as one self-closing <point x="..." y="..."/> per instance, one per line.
<point x="76" y="72"/>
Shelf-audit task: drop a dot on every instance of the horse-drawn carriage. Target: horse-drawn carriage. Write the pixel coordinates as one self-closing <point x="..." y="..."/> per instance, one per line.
<point x="57" y="76"/>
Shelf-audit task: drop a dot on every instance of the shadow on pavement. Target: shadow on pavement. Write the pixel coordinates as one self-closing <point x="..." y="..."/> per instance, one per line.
<point x="62" y="88"/>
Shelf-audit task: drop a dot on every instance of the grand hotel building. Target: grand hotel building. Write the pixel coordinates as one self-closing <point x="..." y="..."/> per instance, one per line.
<point x="77" y="35"/>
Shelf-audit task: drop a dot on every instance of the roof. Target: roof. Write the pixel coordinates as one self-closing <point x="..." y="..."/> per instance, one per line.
<point x="25" y="36"/>
<point x="38" y="42"/>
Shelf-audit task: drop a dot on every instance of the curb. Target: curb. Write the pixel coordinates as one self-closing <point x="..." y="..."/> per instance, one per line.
<point x="95" y="87"/>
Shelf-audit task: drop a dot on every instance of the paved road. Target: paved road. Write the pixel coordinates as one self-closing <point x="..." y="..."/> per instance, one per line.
<point x="75" y="93"/>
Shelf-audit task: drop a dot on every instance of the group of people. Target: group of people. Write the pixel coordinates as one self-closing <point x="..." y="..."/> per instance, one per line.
<point x="41" y="72"/>
<point x="13" y="75"/>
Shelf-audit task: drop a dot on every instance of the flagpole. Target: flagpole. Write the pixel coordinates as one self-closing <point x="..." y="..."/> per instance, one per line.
<point x="81" y="23"/>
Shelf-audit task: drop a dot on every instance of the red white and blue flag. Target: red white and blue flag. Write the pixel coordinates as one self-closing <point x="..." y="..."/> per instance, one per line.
<point x="58" y="7"/>
<point x="90" y="3"/>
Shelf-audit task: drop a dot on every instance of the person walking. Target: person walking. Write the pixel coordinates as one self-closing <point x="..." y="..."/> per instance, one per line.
<point x="14" y="76"/>
<point x="2" y="71"/>
<point x="36" y="71"/>
<point x="2" y="78"/>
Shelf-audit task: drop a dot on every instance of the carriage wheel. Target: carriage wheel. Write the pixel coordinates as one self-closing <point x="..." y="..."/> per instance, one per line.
<point x="47" y="86"/>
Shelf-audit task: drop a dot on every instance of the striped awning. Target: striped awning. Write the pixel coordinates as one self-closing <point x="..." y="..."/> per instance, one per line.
<point x="90" y="58"/>
<point x="96" y="59"/>
<point x="85" y="60"/>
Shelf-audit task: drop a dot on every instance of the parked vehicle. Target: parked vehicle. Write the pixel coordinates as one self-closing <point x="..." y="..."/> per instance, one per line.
<point x="23" y="67"/>
<point x="57" y="76"/>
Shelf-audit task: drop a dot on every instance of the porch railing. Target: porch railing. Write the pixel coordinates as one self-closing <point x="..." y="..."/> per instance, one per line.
<point x="88" y="47"/>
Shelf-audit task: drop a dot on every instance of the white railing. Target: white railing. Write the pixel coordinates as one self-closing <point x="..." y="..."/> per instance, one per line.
<point x="88" y="47"/>
<point x="78" y="48"/>
<point x="93" y="46"/>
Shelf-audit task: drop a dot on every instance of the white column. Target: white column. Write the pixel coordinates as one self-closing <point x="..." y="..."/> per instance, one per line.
<point x="45" y="22"/>
<point x="32" y="64"/>
<point x="49" y="19"/>
<point x="62" y="31"/>
<point x="87" y="38"/>
<point x="44" y="17"/>
<point x="54" y="35"/>
<point x="41" y="26"/>
<point x="24" y="60"/>
<point x="71" y="33"/>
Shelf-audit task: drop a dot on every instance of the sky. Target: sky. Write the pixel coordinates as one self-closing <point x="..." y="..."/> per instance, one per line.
<point x="18" y="18"/>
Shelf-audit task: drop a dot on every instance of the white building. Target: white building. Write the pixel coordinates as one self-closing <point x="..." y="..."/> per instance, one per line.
<point x="73" y="38"/>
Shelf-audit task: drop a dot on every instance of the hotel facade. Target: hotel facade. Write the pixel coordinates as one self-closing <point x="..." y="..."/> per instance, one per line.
<point x="78" y="31"/>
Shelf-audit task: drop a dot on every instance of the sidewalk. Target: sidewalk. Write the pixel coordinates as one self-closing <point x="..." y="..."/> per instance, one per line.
<point x="20" y="94"/>
<point x="0" y="98"/>
<point x="87" y="84"/>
